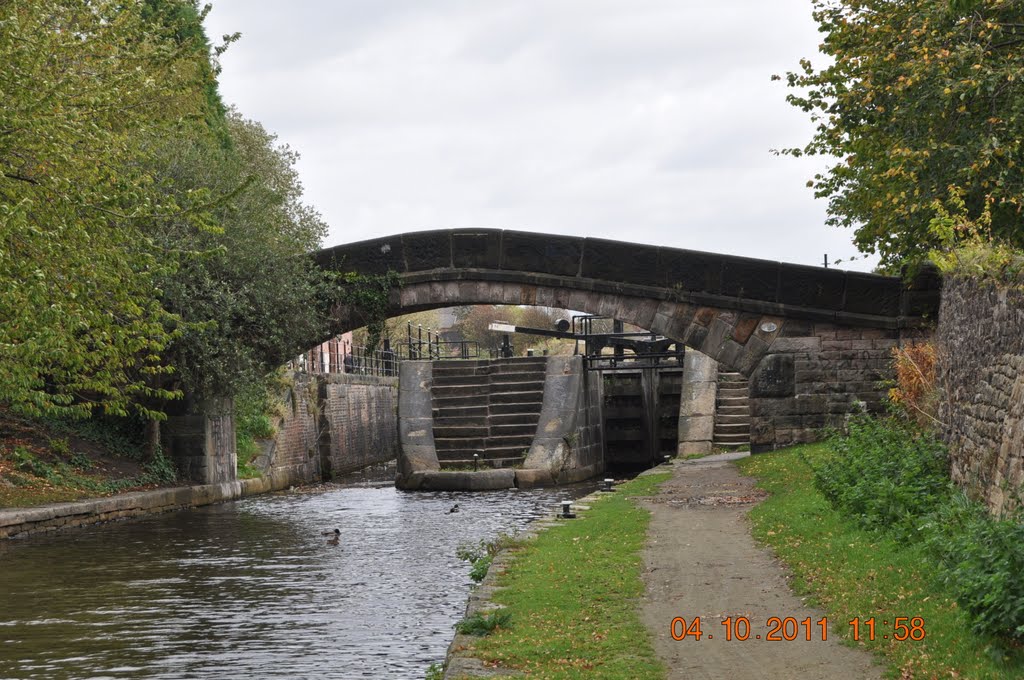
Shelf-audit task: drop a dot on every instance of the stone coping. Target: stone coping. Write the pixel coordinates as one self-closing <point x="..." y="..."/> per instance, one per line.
<point x="20" y="522"/>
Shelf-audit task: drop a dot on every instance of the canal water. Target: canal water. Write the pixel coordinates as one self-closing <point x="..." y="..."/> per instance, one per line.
<point x="251" y="589"/>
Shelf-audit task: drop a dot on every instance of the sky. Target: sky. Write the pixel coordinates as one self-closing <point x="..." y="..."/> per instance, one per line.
<point x="650" y="121"/>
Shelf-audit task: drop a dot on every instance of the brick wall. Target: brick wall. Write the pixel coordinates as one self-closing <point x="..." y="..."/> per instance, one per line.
<point x="334" y="424"/>
<point x="359" y="415"/>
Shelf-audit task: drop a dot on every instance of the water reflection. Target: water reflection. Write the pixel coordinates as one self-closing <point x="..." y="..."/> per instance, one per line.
<point x="252" y="589"/>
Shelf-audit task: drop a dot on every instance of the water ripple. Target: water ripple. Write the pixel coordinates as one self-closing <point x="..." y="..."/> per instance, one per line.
<point x="252" y="589"/>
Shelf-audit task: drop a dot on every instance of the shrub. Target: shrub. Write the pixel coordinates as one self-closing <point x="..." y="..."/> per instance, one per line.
<point x="481" y="554"/>
<point x="885" y="474"/>
<point x="982" y="559"/>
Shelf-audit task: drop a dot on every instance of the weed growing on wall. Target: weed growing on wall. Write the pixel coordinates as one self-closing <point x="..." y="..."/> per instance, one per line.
<point x="369" y="296"/>
<point x="481" y="554"/>
<point x="484" y="624"/>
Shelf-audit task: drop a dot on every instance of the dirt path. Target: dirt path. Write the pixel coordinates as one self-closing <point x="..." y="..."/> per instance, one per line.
<point x="701" y="561"/>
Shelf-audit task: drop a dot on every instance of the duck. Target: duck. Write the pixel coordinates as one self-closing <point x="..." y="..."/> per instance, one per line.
<point x="454" y="508"/>
<point x="335" y="536"/>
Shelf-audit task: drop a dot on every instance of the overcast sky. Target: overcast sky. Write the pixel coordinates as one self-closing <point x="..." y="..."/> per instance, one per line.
<point x="647" y="121"/>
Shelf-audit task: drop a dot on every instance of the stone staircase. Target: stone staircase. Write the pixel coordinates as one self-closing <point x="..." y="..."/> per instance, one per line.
<point x="732" y="412"/>
<point x="489" y="408"/>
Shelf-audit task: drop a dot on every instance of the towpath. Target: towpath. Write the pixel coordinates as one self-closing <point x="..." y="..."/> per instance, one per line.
<point x="700" y="561"/>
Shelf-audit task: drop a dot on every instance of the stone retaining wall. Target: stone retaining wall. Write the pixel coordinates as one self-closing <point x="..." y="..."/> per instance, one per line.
<point x="981" y="381"/>
<point x="697" y="404"/>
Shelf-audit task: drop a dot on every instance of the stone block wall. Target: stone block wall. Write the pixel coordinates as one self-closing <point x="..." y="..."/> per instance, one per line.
<point x="980" y="373"/>
<point x="569" y="444"/>
<point x="697" y="404"/>
<point x="814" y="378"/>
<point x="201" y="441"/>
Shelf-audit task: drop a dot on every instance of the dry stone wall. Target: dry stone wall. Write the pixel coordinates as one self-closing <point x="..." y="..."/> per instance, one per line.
<point x="981" y="381"/>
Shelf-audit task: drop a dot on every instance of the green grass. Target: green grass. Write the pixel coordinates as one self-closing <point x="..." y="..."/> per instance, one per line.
<point x="852" y="572"/>
<point x="573" y="595"/>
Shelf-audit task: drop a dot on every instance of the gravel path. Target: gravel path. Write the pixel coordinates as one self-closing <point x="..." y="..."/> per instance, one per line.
<point x="701" y="561"/>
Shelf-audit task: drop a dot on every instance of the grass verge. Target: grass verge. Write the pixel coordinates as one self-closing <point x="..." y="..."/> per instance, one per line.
<point x="858" y="573"/>
<point x="572" y="593"/>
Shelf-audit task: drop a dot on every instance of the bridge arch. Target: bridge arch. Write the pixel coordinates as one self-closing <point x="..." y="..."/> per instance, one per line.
<point x="730" y="308"/>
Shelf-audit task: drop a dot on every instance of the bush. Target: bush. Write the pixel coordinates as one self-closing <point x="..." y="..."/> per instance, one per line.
<point x="982" y="559"/>
<point x="886" y="475"/>
<point x="891" y="477"/>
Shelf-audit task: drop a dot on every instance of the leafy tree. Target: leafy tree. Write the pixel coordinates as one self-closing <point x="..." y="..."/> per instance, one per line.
<point x="83" y="84"/>
<point x="923" y="107"/>
<point x="245" y="291"/>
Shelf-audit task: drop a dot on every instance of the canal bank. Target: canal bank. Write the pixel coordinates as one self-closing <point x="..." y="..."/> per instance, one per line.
<point x="571" y="588"/>
<point x="18" y="522"/>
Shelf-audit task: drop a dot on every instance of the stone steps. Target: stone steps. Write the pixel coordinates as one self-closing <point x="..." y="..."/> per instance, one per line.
<point x="732" y="411"/>
<point x="487" y="408"/>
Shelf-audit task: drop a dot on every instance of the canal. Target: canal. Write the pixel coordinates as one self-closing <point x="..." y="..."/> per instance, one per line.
<point x="251" y="589"/>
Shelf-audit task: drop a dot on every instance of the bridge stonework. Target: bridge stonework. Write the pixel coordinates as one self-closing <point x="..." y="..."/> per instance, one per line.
<point x="814" y="341"/>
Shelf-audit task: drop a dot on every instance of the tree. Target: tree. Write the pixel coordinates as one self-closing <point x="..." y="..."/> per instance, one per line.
<point x="923" y="107"/>
<point x="84" y="83"/>
<point x="244" y="288"/>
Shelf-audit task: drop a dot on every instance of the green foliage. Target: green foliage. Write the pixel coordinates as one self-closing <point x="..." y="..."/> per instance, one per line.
<point x="481" y="554"/>
<point x="435" y="672"/>
<point x="248" y="296"/>
<point x="256" y="405"/>
<point x="484" y="624"/>
<point x="60" y="447"/>
<point x="117" y="435"/>
<point x="85" y="84"/>
<point x="885" y="475"/>
<point x="850" y="572"/>
<point x="982" y="560"/>
<point x="160" y="470"/>
<point x="919" y="98"/>
<point x="964" y="250"/>
<point x="892" y="478"/>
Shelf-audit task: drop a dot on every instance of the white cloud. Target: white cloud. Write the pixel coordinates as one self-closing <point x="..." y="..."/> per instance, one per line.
<point x="648" y="121"/>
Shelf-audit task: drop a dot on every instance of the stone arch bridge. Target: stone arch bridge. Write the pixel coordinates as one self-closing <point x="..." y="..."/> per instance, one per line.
<point x="733" y="309"/>
<point x="814" y="341"/>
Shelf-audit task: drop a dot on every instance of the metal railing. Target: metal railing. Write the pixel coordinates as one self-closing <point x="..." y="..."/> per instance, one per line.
<point x="341" y="356"/>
